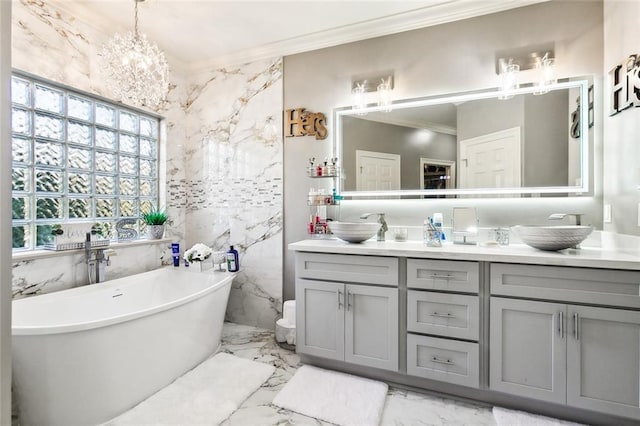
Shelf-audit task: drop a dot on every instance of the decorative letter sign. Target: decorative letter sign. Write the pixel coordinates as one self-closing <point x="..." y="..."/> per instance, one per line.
<point x="575" y="115"/>
<point x="299" y="122"/>
<point x="625" y="85"/>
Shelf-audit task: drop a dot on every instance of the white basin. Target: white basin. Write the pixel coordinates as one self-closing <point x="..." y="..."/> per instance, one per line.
<point x="354" y="232"/>
<point x="552" y="238"/>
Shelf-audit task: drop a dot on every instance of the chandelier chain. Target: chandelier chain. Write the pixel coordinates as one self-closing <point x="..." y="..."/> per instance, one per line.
<point x="136" y="19"/>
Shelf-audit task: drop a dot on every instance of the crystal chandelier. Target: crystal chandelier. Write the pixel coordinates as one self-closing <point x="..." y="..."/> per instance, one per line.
<point x="136" y="70"/>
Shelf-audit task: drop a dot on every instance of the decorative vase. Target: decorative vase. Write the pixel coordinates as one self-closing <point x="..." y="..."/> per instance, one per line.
<point x="155" y="232"/>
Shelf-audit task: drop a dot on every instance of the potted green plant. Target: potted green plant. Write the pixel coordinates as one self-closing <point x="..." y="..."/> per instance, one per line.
<point x="155" y="220"/>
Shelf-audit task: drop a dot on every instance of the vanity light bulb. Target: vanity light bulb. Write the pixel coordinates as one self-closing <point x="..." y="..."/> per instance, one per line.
<point x="509" y="81"/>
<point x="546" y="76"/>
<point x="359" y="101"/>
<point x="384" y="95"/>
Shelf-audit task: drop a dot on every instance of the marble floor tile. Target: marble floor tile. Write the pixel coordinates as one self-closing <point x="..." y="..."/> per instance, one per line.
<point x="405" y="408"/>
<point x="402" y="408"/>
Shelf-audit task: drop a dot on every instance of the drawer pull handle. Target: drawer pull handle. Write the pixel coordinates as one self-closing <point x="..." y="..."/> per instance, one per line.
<point x="349" y="300"/>
<point x="576" y="326"/>
<point x="441" y="276"/>
<point x="439" y="315"/>
<point x="442" y="361"/>
<point x="340" y="303"/>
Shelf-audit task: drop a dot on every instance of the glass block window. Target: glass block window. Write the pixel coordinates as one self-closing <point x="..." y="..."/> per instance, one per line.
<point x="77" y="158"/>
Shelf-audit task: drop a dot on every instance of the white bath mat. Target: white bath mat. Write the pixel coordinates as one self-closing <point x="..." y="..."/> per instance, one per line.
<point x="335" y="397"/>
<point x="506" y="417"/>
<point x="206" y="395"/>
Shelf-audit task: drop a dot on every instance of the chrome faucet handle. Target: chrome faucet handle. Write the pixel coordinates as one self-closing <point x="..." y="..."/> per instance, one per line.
<point x="383" y="228"/>
<point x="558" y="216"/>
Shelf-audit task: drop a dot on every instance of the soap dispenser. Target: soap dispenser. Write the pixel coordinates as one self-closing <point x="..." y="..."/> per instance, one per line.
<point x="233" y="265"/>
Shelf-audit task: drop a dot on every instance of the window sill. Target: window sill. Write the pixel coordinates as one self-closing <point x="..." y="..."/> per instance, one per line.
<point x="42" y="254"/>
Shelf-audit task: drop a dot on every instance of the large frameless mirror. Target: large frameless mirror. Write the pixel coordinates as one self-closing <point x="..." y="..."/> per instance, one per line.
<point x="469" y="144"/>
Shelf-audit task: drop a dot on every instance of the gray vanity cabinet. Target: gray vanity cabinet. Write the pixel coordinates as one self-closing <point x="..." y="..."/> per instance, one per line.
<point x="341" y="314"/>
<point x="565" y="336"/>
<point x="582" y="356"/>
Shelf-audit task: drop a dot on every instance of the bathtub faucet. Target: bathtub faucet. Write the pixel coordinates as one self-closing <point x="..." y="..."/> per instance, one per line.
<point x="97" y="260"/>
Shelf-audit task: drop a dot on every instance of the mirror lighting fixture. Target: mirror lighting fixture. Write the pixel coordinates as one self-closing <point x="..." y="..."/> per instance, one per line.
<point x="360" y="88"/>
<point x="136" y="69"/>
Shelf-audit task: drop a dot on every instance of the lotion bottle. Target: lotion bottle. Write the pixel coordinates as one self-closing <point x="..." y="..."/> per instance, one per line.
<point x="233" y="265"/>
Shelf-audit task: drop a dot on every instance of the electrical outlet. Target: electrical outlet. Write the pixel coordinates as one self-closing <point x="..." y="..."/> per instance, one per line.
<point x="606" y="213"/>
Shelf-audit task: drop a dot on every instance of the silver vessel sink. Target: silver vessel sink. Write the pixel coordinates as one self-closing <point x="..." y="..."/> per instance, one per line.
<point x="552" y="238"/>
<point x="354" y="232"/>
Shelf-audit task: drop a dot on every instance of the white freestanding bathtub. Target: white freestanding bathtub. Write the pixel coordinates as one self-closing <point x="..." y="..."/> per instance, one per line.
<point x="85" y="355"/>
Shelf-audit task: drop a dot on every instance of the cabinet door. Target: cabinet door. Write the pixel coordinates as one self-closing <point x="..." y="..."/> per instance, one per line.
<point x="603" y="360"/>
<point x="528" y="349"/>
<point x="371" y="326"/>
<point x="320" y="318"/>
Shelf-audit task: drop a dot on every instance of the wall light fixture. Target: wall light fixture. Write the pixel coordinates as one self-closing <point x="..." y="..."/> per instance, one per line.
<point x="382" y="86"/>
<point x="539" y="59"/>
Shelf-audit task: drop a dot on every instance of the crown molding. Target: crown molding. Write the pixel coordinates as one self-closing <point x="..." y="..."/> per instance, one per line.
<point x="434" y="127"/>
<point x="450" y="11"/>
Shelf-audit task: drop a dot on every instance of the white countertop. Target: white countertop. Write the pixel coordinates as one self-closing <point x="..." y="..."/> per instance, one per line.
<point x="590" y="257"/>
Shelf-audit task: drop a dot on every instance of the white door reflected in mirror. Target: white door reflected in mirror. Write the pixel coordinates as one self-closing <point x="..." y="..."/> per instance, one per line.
<point x="377" y="171"/>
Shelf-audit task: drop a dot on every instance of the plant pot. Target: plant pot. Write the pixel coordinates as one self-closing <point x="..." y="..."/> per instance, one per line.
<point x="155" y="232"/>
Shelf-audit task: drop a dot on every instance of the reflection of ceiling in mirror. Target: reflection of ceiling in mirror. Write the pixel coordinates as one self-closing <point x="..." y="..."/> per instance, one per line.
<point x="439" y="118"/>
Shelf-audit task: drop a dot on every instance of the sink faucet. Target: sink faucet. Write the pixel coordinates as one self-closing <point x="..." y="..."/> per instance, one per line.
<point x="558" y="216"/>
<point x="381" y="221"/>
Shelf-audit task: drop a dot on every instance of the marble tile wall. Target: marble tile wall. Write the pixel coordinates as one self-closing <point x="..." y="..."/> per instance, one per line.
<point x="222" y="174"/>
<point x="62" y="271"/>
<point x="234" y="185"/>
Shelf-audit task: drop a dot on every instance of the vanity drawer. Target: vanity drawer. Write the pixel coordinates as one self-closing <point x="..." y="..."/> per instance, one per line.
<point x="610" y="287"/>
<point x="443" y="275"/>
<point x="445" y="360"/>
<point x="348" y="268"/>
<point x="442" y="314"/>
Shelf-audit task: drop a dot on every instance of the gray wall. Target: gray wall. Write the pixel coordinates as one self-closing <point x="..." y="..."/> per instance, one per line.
<point x="447" y="58"/>
<point x="546" y="148"/>
<point x="411" y="144"/>
<point x="622" y="150"/>
<point x="497" y="115"/>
